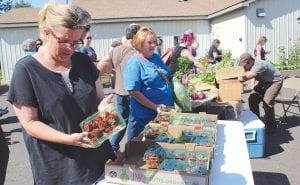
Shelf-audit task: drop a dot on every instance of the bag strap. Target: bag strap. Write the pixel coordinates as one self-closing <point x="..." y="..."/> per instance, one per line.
<point x="162" y="75"/>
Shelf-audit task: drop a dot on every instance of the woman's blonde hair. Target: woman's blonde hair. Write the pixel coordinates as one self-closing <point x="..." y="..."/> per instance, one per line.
<point x="140" y="37"/>
<point x="53" y="15"/>
<point x="262" y="40"/>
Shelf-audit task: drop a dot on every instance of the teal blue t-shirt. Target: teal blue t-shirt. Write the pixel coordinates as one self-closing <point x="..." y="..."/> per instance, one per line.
<point x="142" y="76"/>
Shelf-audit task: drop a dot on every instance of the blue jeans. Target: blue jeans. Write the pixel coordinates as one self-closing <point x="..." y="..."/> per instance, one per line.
<point x="124" y="109"/>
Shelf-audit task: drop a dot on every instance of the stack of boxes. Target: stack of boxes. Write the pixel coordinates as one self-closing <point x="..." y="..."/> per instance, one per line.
<point x="131" y="169"/>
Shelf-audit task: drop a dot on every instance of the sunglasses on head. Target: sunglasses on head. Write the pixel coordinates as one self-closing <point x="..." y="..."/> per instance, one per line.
<point x="87" y="27"/>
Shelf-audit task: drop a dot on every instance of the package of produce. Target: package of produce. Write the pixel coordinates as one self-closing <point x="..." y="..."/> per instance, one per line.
<point x="185" y="119"/>
<point x="176" y="154"/>
<point x="164" y="138"/>
<point x="103" y="124"/>
<point x="198" y="156"/>
<point x="203" y="141"/>
<point x="181" y="96"/>
<point x="162" y="117"/>
<point x="197" y="168"/>
<point x="153" y="156"/>
<point x="173" y="164"/>
<point x="151" y="131"/>
<point x="205" y="137"/>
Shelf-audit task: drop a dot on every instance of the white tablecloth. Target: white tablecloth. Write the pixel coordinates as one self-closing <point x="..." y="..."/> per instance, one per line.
<point x="231" y="164"/>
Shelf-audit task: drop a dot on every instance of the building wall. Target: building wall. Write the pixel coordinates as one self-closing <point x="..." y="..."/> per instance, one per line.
<point x="103" y="35"/>
<point x="279" y="25"/>
<point x="106" y="33"/>
<point x="11" y="51"/>
<point x="230" y="30"/>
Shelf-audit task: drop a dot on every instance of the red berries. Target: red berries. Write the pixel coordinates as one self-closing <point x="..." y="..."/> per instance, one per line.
<point x="100" y="124"/>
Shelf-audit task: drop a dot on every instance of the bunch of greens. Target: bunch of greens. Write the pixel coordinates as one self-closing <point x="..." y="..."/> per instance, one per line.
<point x="227" y="60"/>
<point x="182" y="66"/>
<point x="208" y="77"/>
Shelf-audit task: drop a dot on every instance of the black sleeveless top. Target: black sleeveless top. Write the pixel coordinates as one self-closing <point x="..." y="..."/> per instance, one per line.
<point x="263" y="53"/>
<point x="175" y="55"/>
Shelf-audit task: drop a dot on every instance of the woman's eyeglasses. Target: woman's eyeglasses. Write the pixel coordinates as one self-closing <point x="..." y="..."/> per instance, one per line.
<point x="67" y="43"/>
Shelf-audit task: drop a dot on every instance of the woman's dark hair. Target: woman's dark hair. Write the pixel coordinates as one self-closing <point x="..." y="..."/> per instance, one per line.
<point x="215" y="42"/>
<point x="131" y="30"/>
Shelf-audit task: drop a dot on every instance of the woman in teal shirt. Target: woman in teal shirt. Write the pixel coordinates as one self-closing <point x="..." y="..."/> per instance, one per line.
<point x="146" y="79"/>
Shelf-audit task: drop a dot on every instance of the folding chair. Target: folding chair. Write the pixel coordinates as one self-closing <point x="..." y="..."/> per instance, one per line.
<point x="289" y="96"/>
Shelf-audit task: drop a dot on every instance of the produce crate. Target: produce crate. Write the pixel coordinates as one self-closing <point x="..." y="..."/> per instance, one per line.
<point x="131" y="169"/>
<point x="178" y="134"/>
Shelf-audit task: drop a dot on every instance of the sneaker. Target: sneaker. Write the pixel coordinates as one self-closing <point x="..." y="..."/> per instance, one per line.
<point x="3" y="111"/>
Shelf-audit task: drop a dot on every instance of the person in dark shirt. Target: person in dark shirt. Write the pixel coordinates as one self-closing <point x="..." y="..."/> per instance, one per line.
<point x="87" y="49"/>
<point x="214" y="54"/>
<point x="52" y="91"/>
<point x="4" y="155"/>
<point x="188" y="39"/>
<point x="118" y="58"/>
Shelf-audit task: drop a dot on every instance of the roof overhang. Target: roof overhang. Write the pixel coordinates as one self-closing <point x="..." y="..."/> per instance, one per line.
<point x="146" y="19"/>
<point x="16" y="25"/>
<point x="230" y="9"/>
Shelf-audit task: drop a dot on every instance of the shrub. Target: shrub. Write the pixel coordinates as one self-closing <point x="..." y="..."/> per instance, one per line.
<point x="293" y="59"/>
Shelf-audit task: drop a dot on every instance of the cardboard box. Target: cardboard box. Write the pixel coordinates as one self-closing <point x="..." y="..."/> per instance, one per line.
<point x="229" y="73"/>
<point x="133" y="171"/>
<point x="230" y="90"/>
<point x="176" y="132"/>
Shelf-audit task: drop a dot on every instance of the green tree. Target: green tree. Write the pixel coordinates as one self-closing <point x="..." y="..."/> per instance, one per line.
<point x="5" y="5"/>
<point x="22" y="4"/>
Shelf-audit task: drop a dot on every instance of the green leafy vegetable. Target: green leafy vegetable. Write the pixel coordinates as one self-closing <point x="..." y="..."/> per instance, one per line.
<point x="182" y="66"/>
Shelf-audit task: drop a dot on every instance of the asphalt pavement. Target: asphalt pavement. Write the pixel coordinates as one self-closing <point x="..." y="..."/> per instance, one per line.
<point x="280" y="166"/>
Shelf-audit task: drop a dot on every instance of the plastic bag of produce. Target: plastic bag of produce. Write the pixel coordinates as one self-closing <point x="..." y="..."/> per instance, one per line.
<point x="181" y="96"/>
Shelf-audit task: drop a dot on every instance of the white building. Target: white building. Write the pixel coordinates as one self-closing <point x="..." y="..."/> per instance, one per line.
<point x="236" y="23"/>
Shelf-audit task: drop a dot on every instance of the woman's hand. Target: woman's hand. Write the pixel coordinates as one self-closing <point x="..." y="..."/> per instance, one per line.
<point x="80" y="139"/>
<point x="106" y="101"/>
<point x="160" y="108"/>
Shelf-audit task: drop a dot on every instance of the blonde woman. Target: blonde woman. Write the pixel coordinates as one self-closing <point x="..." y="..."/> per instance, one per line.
<point x="259" y="51"/>
<point x="146" y="78"/>
<point x="260" y="54"/>
<point x="52" y="92"/>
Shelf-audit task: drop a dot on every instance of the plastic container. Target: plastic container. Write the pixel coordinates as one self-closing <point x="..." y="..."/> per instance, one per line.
<point x="103" y="124"/>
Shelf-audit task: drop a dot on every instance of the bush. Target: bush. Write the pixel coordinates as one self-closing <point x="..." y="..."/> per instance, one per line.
<point x="293" y="59"/>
